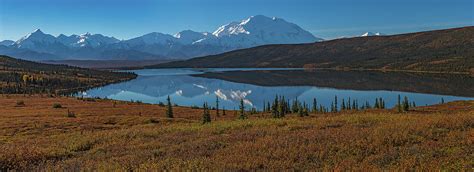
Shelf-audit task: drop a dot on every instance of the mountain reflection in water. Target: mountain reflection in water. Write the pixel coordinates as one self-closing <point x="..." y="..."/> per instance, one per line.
<point x="189" y="87"/>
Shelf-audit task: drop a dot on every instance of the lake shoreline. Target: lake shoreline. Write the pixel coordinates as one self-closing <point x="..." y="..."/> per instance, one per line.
<point x="194" y="87"/>
<point x="303" y="68"/>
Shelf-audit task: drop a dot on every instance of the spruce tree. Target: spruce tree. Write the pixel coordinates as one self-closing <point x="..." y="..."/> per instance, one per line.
<point x="300" y="112"/>
<point x="284" y="108"/>
<point x="206" y="116"/>
<point x="217" y="106"/>
<point x="306" y="110"/>
<point x="315" y="106"/>
<point x="335" y="103"/>
<point x="295" y="106"/>
<point x="253" y="110"/>
<point x="242" y="110"/>
<point x="275" y="113"/>
<point x="302" y="108"/>
<point x="406" y="105"/>
<point x="281" y="108"/>
<point x="357" y="104"/>
<point x="442" y="100"/>
<point x="332" y="107"/>
<point x="376" y="103"/>
<point x="169" y="108"/>
<point x="303" y="111"/>
<point x="383" y="104"/>
<point x="349" y="104"/>
<point x="399" y="105"/>
<point x="288" y="107"/>
<point x="343" y="105"/>
<point x="354" y="107"/>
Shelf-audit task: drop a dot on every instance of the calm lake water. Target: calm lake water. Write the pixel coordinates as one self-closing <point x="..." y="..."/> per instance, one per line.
<point x="189" y="87"/>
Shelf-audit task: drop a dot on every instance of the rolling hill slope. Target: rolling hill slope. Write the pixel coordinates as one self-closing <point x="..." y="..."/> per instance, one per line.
<point x="21" y="76"/>
<point x="450" y="50"/>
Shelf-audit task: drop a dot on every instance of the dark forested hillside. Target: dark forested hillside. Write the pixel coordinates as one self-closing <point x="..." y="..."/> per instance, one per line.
<point x="450" y="50"/>
<point x="21" y="76"/>
<point x="447" y="84"/>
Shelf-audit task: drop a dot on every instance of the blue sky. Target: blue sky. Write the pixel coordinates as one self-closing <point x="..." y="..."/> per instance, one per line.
<point x="328" y="19"/>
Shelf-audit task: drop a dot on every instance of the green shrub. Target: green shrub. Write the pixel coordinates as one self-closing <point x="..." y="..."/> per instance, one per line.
<point x="161" y="104"/>
<point x="153" y="121"/>
<point x="20" y="103"/>
<point x="57" y="105"/>
<point x="70" y="114"/>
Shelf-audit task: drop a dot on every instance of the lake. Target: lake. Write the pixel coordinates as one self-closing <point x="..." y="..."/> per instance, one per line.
<point x="193" y="87"/>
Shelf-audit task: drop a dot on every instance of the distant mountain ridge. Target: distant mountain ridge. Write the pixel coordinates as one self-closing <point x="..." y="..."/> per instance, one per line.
<point x="7" y="42"/>
<point x="449" y="50"/>
<point x="253" y="31"/>
<point x="372" y="34"/>
<point x="87" y="39"/>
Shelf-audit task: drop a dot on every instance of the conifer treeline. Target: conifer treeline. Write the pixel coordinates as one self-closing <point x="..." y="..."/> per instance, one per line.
<point x="406" y="105"/>
<point x="281" y="106"/>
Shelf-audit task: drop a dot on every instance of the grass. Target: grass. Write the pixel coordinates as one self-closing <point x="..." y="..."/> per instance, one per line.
<point x="136" y="136"/>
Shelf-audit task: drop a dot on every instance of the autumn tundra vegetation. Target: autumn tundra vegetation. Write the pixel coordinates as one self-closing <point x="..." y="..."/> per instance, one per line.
<point x="103" y="134"/>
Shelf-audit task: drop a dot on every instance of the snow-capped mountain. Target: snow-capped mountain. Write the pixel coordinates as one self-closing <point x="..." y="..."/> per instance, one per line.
<point x="93" y="40"/>
<point x="253" y="31"/>
<point x="187" y="37"/>
<point x="41" y="42"/>
<point x="260" y="30"/>
<point x="372" y="34"/>
<point x="86" y="40"/>
<point x="36" y="41"/>
<point x="68" y="40"/>
<point x="151" y="39"/>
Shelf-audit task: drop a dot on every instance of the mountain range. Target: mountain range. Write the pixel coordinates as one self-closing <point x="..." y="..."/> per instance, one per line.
<point x="449" y="50"/>
<point x="253" y="31"/>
